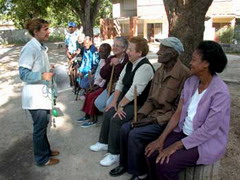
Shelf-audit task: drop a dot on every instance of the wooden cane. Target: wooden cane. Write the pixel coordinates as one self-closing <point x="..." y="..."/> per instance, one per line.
<point x="90" y="80"/>
<point x="135" y="104"/>
<point x="110" y="82"/>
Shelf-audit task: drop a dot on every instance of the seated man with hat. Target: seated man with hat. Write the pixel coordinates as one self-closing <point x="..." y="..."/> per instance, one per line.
<point x="156" y="111"/>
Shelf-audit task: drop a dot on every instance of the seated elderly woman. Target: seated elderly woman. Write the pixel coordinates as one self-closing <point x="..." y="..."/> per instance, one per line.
<point x="112" y="68"/>
<point x="138" y="72"/>
<point x="197" y="132"/>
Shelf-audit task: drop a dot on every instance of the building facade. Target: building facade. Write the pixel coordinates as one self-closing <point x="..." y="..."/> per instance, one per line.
<point x="147" y="18"/>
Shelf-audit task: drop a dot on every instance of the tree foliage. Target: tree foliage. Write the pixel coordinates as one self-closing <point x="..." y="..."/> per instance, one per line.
<point x="225" y="34"/>
<point x="59" y="12"/>
<point x="19" y="11"/>
<point x="85" y="10"/>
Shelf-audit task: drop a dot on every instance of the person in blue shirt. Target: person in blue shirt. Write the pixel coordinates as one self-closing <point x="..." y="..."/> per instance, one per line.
<point x="89" y="63"/>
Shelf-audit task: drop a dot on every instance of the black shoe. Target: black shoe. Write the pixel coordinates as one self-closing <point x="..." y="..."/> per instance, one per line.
<point x="118" y="171"/>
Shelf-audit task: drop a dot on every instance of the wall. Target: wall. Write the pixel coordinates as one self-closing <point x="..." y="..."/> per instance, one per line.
<point x="231" y="48"/>
<point x="14" y="36"/>
<point x="151" y="8"/>
<point x="18" y="36"/>
<point x="128" y="8"/>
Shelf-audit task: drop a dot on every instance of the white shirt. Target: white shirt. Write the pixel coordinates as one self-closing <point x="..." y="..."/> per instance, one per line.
<point x="192" y="109"/>
<point x="141" y="78"/>
<point x="71" y="41"/>
<point x="36" y="95"/>
<point x="98" y="79"/>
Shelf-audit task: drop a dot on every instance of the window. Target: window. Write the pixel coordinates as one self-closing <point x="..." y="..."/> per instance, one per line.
<point x="125" y="28"/>
<point x="158" y="25"/>
<point x="157" y="29"/>
<point x="218" y="26"/>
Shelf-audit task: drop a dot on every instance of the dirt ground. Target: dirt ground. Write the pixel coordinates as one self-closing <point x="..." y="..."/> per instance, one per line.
<point x="230" y="163"/>
<point x="76" y="161"/>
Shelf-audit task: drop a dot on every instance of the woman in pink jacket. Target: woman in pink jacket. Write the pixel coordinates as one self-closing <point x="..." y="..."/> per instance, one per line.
<point x="197" y="133"/>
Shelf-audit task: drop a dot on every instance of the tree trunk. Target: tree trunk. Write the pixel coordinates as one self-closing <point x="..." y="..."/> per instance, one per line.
<point x="83" y="10"/>
<point x="87" y="11"/>
<point x="88" y="23"/>
<point x="186" y="21"/>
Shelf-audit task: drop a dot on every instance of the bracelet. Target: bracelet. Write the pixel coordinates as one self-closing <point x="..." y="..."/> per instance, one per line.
<point x="42" y="76"/>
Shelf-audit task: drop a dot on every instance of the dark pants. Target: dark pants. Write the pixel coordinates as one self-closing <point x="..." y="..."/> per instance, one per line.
<point x="41" y="145"/>
<point x="178" y="161"/>
<point x="133" y="143"/>
<point x="110" y="130"/>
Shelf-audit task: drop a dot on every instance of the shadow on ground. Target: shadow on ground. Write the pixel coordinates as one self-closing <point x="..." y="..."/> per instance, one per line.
<point x="17" y="161"/>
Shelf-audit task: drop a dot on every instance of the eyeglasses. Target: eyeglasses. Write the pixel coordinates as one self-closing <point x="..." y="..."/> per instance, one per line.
<point x="118" y="46"/>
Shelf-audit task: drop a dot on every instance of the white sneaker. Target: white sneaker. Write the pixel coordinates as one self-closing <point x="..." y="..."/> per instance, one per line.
<point x="109" y="159"/>
<point x="99" y="147"/>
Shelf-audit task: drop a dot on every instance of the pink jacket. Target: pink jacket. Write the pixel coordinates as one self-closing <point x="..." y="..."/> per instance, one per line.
<point x="211" y="122"/>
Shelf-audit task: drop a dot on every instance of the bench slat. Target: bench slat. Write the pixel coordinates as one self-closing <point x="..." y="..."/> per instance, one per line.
<point x="201" y="172"/>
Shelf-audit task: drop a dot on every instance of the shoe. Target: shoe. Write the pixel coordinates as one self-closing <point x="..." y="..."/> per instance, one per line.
<point x="82" y="98"/>
<point x="109" y="159"/>
<point x="81" y="92"/>
<point x="51" y="161"/>
<point x="55" y="153"/>
<point x="99" y="147"/>
<point x="134" y="178"/>
<point x="84" y="118"/>
<point x="137" y="178"/>
<point x="88" y="124"/>
<point x="118" y="171"/>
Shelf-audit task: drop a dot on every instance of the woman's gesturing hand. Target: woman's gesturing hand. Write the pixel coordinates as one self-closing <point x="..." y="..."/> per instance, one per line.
<point x="47" y="76"/>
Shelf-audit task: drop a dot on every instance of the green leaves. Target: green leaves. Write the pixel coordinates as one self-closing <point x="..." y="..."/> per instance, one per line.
<point x="19" y="11"/>
<point x="58" y="12"/>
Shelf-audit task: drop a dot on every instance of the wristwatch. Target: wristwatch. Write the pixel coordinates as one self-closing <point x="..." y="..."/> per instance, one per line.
<point x="121" y="106"/>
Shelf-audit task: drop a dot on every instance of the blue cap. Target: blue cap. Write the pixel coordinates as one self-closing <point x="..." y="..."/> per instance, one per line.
<point x="71" y="24"/>
<point x="172" y="42"/>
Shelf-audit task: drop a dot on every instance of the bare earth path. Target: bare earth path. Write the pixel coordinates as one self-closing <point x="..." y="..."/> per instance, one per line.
<point x="76" y="161"/>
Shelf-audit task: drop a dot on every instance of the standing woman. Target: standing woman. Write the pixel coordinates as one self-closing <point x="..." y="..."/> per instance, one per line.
<point x="34" y="70"/>
<point x="198" y="131"/>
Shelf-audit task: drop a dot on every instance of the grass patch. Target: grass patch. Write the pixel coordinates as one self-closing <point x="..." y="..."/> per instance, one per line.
<point x="234" y="53"/>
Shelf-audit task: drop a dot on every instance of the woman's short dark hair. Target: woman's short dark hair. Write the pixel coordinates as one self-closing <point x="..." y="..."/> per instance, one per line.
<point x="213" y="53"/>
<point x="35" y="24"/>
<point x="141" y="45"/>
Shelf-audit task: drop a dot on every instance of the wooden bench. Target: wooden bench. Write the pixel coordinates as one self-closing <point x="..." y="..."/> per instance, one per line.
<point x="201" y="172"/>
